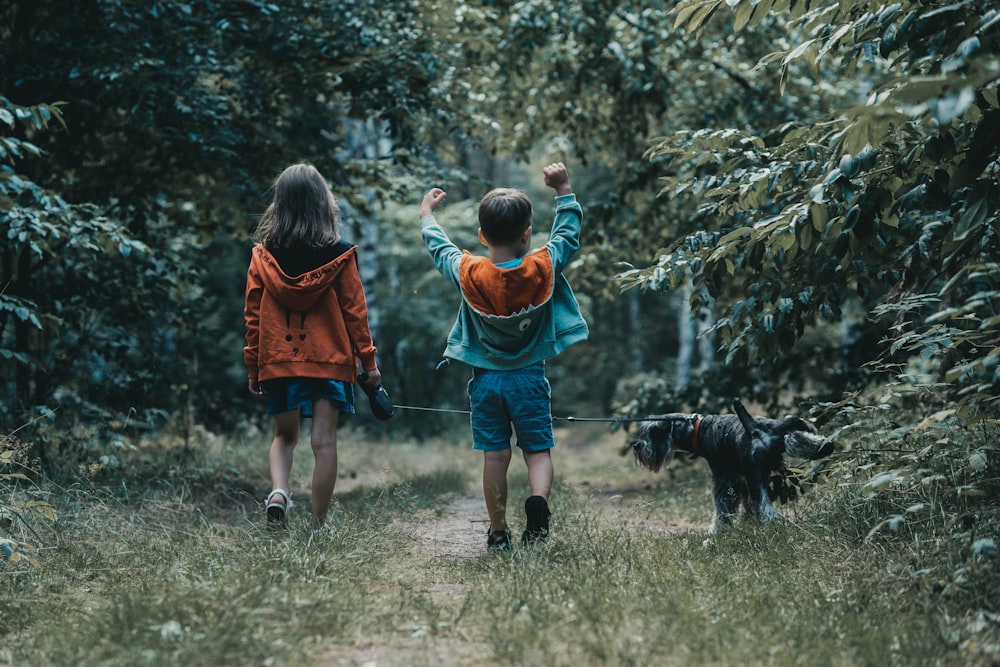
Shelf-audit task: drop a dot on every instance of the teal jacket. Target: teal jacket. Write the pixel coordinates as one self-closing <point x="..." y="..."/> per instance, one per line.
<point x="516" y="317"/>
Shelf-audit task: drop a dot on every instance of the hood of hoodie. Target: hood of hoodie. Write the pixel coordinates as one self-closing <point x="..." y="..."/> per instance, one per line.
<point x="300" y="292"/>
<point x="503" y="293"/>
<point x="509" y="303"/>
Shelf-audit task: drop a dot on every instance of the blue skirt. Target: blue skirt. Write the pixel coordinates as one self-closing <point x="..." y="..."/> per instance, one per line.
<point x="287" y="394"/>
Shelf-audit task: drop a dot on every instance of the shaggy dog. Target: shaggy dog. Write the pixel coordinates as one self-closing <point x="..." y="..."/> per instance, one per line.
<point x="743" y="452"/>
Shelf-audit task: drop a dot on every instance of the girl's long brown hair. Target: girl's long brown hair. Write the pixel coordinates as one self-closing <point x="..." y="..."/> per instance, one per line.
<point x="304" y="213"/>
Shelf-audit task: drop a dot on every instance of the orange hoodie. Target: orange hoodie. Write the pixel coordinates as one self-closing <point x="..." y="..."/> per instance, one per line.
<point x="312" y="325"/>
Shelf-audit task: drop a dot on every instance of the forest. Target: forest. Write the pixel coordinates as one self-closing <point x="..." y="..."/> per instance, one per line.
<point x="782" y="198"/>
<point x="791" y="202"/>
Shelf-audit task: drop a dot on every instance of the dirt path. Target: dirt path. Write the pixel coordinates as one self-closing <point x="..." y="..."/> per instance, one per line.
<point x="607" y="490"/>
<point x="460" y="531"/>
<point x="613" y="492"/>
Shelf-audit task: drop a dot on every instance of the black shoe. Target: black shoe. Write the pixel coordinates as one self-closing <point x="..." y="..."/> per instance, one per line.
<point x="536" y="508"/>
<point x="378" y="399"/>
<point x="498" y="540"/>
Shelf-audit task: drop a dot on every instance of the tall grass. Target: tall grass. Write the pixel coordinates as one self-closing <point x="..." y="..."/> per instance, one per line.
<point x="181" y="570"/>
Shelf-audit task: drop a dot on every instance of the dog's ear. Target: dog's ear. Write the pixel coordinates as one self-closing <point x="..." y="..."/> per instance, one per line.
<point x="748" y="422"/>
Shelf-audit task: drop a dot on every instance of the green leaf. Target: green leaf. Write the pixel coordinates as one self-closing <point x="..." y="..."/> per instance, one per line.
<point x="701" y="16"/>
<point x="820" y="215"/>
<point x="733" y="235"/>
<point x="761" y="10"/>
<point x="972" y="219"/>
<point x="783" y="239"/>
<point x="743" y="13"/>
<point x="684" y="12"/>
<point x="832" y="41"/>
<point x="798" y="51"/>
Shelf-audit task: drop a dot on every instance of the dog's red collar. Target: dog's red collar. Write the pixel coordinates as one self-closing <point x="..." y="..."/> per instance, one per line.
<point x="694" y="435"/>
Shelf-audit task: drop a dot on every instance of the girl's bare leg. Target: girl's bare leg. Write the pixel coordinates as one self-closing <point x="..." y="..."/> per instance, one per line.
<point x="286" y="436"/>
<point x="324" y="446"/>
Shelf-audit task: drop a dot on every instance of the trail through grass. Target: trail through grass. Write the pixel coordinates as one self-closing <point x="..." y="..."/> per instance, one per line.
<point x="179" y="570"/>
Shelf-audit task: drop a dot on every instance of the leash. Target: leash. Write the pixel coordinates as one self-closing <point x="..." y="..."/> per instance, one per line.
<point x="607" y="419"/>
<point x="422" y="409"/>
<point x="568" y="419"/>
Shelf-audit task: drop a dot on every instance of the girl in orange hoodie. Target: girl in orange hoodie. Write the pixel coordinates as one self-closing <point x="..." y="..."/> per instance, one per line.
<point x="307" y="331"/>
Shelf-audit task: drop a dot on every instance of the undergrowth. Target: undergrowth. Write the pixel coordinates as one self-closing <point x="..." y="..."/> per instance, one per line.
<point x="889" y="560"/>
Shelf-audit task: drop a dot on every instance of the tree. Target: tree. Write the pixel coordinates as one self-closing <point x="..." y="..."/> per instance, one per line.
<point x="892" y="201"/>
<point x="176" y="119"/>
<point x="591" y="81"/>
<point x="47" y="242"/>
<point x="179" y="116"/>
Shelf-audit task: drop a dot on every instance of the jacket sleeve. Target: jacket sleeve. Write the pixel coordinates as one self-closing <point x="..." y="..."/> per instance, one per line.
<point x="351" y="297"/>
<point x="446" y="254"/>
<point x="564" y="239"/>
<point x="251" y="315"/>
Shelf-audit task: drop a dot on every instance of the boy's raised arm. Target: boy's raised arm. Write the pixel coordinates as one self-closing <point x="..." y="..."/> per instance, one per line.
<point x="445" y="254"/>
<point x="564" y="238"/>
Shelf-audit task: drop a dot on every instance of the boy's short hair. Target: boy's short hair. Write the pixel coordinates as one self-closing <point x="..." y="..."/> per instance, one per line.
<point x="504" y="214"/>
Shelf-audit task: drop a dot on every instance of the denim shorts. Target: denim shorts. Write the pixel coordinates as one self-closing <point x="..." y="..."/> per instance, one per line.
<point x="505" y="403"/>
<point x="286" y="394"/>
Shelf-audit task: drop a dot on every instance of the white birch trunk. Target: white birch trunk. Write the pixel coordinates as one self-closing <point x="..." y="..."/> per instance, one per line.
<point x="635" y="326"/>
<point x="367" y="141"/>
<point x="706" y="341"/>
<point x="685" y="339"/>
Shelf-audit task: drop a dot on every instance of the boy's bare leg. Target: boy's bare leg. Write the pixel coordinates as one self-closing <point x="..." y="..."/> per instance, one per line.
<point x="324" y="446"/>
<point x="536" y="508"/>
<point x="539" y="472"/>
<point x="286" y="436"/>
<point x="495" y="465"/>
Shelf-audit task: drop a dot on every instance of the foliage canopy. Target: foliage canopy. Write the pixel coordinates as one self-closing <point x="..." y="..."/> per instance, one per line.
<point x="890" y="203"/>
<point x="817" y="163"/>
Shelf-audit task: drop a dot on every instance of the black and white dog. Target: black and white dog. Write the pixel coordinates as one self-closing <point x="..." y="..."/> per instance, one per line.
<point x="743" y="451"/>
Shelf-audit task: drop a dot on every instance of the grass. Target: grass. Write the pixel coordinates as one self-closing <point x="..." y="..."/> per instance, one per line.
<point x="176" y="568"/>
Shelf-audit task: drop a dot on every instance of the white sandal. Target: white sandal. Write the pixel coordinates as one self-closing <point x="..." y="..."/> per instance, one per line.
<point x="277" y="513"/>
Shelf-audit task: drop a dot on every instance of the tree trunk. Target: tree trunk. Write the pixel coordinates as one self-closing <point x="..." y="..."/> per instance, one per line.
<point x="369" y="142"/>
<point x="706" y="341"/>
<point x="366" y="232"/>
<point x="686" y="333"/>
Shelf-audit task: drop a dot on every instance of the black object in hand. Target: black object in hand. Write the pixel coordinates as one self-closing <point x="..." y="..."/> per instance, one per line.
<point x="378" y="399"/>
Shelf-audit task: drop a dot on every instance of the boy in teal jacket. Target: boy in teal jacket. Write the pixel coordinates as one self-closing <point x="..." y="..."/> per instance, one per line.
<point x="517" y="310"/>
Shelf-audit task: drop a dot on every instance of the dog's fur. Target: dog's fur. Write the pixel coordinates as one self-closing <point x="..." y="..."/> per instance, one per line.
<point x="742" y="451"/>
